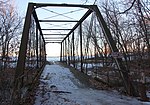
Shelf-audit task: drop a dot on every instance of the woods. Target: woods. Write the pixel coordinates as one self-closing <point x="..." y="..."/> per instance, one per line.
<point x="110" y="43"/>
<point x="11" y="26"/>
<point x="10" y="31"/>
<point x="128" y="22"/>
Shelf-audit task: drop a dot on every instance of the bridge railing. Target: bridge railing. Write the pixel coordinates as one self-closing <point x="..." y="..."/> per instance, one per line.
<point x="31" y="59"/>
<point x="87" y="50"/>
<point x="98" y="51"/>
<point x="35" y="54"/>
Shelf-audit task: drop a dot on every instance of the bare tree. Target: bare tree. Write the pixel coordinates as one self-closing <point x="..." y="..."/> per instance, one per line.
<point x="10" y="27"/>
<point x="130" y="31"/>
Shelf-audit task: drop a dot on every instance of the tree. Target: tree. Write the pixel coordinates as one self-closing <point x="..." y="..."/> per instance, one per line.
<point x="10" y="29"/>
<point x="129" y="29"/>
<point x="11" y="25"/>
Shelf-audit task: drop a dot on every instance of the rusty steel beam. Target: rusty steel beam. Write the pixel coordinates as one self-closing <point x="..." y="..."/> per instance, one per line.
<point x="58" y="21"/>
<point x="73" y="53"/>
<point x="39" y="5"/>
<point x="52" y="40"/>
<point x="68" y="51"/>
<point x="40" y="47"/>
<point x="37" y="45"/>
<point x="65" y="51"/>
<point x="53" y="37"/>
<point x="81" y="52"/>
<point x="19" y="72"/>
<point x="55" y="34"/>
<point x="61" y="52"/>
<point x="122" y="69"/>
<point x="80" y="21"/>
<point x="38" y="24"/>
<point x="56" y="29"/>
<point x="24" y="40"/>
<point x="44" y="52"/>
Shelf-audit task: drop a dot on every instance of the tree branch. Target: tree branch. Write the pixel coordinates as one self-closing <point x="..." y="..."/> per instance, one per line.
<point x="128" y="8"/>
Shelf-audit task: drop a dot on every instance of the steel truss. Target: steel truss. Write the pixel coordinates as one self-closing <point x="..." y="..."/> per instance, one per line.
<point x="68" y="44"/>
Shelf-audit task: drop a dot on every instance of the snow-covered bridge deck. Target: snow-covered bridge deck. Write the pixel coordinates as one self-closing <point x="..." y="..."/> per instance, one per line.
<point x="58" y="86"/>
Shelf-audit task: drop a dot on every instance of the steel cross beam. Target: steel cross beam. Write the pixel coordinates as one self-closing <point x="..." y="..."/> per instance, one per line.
<point x="54" y="34"/>
<point x="80" y="21"/>
<point x="56" y="29"/>
<point x="52" y="42"/>
<point x="58" y="21"/>
<point x="54" y="37"/>
<point x="39" y="5"/>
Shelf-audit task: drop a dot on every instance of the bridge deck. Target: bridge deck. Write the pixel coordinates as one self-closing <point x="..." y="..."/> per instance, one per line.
<point x="58" y="86"/>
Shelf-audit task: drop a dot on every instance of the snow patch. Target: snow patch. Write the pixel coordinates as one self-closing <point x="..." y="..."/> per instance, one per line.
<point x="58" y="87"/>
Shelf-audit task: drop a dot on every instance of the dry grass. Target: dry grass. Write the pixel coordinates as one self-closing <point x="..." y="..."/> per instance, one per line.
<point x="6" y="83"/>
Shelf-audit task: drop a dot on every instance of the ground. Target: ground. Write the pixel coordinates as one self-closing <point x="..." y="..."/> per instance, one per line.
<point x="58" y="86"/>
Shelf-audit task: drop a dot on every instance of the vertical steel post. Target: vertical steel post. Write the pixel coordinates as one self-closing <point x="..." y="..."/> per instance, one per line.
<point x="18" y="83"/>
<point x="37" y="59"/>
<point x="41" y="52"/>
<point x="81" y="53"/>
<point x="65" y="51"/>
<point x="40" y="55"/>
<point x="73" y="49"/>
<point x="68" y="51"/>
<point x="71" y="55"/>
<point x="44" y="51"/>
<point x="61" y="52"/>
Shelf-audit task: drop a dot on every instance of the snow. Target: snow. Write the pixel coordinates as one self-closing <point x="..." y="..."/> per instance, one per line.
<point x="53" y="59"/>
<point x="58" y="86"/>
